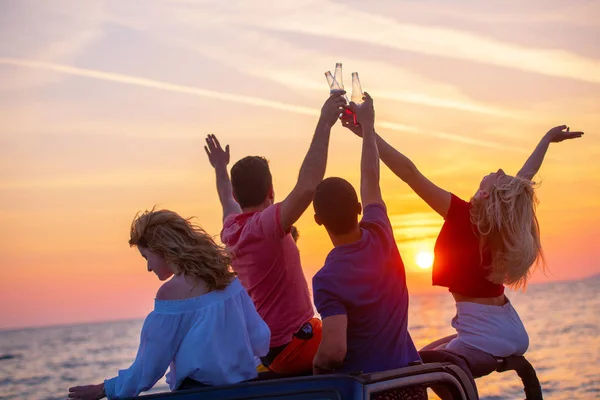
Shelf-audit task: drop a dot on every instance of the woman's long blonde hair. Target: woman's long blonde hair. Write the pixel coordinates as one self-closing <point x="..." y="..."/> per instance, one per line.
<point x="508" y="227"/>
<point x="183" y="245"/>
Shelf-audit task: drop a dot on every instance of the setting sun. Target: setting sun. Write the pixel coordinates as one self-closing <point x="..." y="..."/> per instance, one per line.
<point x="424" y="259"/>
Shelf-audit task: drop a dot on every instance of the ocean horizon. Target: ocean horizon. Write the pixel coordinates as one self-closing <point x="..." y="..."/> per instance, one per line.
<point x="131" y="319"/>
<point x="561" y="319"/>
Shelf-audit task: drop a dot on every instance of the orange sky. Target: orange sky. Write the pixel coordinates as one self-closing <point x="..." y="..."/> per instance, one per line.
<point x="104" y="108"/>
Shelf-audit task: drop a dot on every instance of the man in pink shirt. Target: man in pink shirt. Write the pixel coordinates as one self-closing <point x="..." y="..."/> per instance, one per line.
<point x="257" y="231"/>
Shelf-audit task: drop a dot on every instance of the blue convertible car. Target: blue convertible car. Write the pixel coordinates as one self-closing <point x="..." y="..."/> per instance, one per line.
<point x="445" y="374"/>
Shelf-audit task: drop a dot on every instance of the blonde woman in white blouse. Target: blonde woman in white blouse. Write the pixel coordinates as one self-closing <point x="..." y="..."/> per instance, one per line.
<point x="204" y="325"/>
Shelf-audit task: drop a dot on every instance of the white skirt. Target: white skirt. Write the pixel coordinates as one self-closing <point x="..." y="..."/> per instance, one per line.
<point x="496" y="330"/>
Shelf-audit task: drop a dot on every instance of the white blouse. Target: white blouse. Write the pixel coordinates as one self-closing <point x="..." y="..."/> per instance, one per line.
<point x="213" y="339"/>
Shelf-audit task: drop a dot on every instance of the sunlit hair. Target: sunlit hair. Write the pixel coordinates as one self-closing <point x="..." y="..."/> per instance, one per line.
<point x="183" y="245"/>
<point x="509" y="229"/>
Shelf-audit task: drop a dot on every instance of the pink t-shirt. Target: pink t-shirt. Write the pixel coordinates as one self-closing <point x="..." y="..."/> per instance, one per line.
<point x="267" y="262"/>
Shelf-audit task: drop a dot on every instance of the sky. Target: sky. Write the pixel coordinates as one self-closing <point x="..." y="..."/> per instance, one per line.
<point x="104" y="107"/>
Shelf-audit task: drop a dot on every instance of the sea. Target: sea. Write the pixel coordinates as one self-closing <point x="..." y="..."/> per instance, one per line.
<point x="562" y="318"/>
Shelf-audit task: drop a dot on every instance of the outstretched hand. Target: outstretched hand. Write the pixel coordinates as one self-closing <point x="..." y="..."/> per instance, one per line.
<point x="216" y="155"/>
<point x="333" y="107"/>
<point x="88" y="392"/>
<point x="558" y="134"/>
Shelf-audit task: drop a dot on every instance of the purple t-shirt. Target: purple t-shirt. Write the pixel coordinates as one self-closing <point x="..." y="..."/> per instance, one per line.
<point x="366" y="281"/>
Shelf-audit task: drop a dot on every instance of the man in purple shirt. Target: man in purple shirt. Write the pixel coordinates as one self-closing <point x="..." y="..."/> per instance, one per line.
<point x="361" y="290"/>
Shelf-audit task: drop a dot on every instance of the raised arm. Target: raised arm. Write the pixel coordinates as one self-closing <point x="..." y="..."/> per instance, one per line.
<point x="219" y="159"/>
<point x="370" y="191"/>
<point x="534" y="162"/>
<point x="312" y="170"/>
<point x="437" y="198"/>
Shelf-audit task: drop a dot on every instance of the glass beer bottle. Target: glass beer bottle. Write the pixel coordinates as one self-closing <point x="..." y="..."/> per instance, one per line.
<point x="357" y="93"/>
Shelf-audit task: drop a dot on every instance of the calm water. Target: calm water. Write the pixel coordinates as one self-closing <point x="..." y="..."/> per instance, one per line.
<point x="563" y="321"/>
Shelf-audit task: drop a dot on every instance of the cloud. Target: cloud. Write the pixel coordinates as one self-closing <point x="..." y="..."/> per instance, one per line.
<point x="260" y="55"/>
<point x="153" y="84"/>
<point x="451" y="136"/>
<point x="250" y="100"/>
<point x="340" y="21"/>
<point x="63" y="30"/>
<point x="415" y="227"/>
<point x="509" y="12"/>
<point x="422" y="219"/>
<point x="125" y="178"/>
<point x="403" y="238"/>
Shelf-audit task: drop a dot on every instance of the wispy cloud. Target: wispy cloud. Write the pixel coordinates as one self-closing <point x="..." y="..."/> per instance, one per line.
<point x="416" y="227"/>
<point x="113" y="178"/>
<point x="159" y="85"/>
<point x="450" y="136"/>
<point x="250" y="100"/>
<point x="423" y="219"/>
<point x="340" y="21"/>
<point x="252" y="53"/>
<point x="64" y="29"/>
<point x="510" y="12"/>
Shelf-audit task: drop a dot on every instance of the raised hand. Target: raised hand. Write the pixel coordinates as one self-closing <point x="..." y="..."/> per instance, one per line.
<point x="534" y="162"/>
<point x="365" y="113"/>
<point x="333" y="107"/>
<point x="558" y="134"/>
<point x="216" y="155"/>
<point x="348" y="122"/>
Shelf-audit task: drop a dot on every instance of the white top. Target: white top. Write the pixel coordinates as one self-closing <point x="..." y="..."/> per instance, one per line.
<point x="213" y="339"/>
